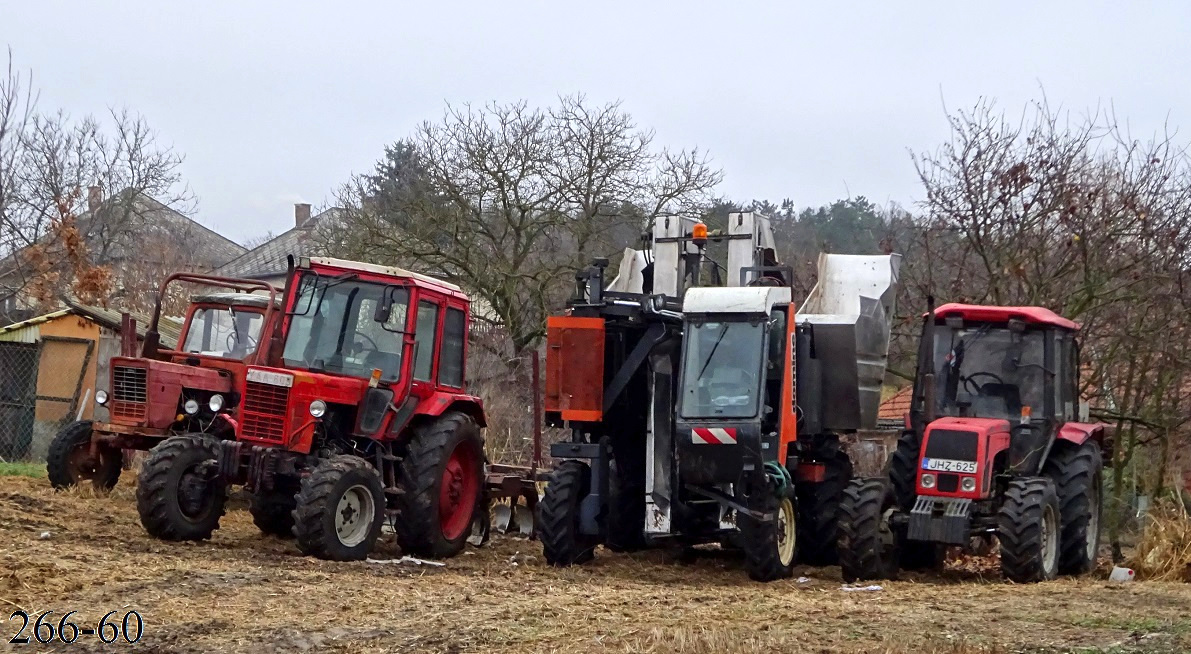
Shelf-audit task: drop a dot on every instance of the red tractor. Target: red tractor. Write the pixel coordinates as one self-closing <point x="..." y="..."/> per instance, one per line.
<point x="359" y="412"/>
<point x="993" y="448"/>
<point x="165" y="392"/>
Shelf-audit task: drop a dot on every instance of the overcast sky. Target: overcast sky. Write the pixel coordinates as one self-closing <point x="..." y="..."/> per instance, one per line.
<point x="278" y="102"/>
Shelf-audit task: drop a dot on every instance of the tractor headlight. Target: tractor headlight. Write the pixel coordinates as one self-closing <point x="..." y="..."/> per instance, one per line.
<point x="191" y="407"/>
<point x="968" y="484"/>
<point x="101" y="397"/>
<point x="928" y="480"/>
<point x="215" y="404"/>
<point x="318" y="408"/>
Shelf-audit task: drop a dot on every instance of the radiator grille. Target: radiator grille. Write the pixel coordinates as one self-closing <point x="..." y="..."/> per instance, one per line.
<point x="264" y="411"/>
<point x="130" y="391"/>
<point x="948" y="482"/>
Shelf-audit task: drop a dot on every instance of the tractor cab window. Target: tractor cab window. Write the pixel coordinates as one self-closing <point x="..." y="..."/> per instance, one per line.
<point x="722" y="369"/>
<point x="223" y="332"/>
<point x="334" y="328"/>
<point x="988" y="372"/>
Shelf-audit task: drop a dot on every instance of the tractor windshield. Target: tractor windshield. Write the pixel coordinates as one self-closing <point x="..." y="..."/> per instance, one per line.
<point x="223" y="332"/>
<point x="722" y="367"/>
<point x="334" y="328"/>
<point x="990" y="372"/>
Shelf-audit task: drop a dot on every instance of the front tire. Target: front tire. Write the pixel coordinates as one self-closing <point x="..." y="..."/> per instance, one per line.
<point x="1076" y="472"/>
<point x="769" y="545"/>
<point x="340" y="510"/>
<point x="69" y="461"/>
<point x="177" y="496"/>
<point x="1028" y="528"/>
<point x="558" y="516"/>
<point x="442" y="476"/>
<point x="869" y="547"/>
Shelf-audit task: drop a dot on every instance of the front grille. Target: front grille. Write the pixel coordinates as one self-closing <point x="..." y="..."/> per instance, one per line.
<point x="948" y="482"/>
<point x="951" y="444"/>
<point x="130" y="391"/>
<point x="265" y="406"/>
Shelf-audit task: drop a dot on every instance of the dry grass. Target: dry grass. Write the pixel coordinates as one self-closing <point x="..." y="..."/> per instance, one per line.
<point x="242" y="592"/>
<point x="1164" y="551"/>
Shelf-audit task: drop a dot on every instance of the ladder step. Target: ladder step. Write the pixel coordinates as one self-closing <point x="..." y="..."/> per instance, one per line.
<point x="393" y="490"/>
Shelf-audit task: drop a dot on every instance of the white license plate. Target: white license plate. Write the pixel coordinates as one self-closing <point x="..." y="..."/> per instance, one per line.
<point x="270" y="378"/>
<point x="949" y="465"/>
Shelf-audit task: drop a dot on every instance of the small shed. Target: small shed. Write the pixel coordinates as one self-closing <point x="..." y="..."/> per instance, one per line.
<point x="50" y="368"/>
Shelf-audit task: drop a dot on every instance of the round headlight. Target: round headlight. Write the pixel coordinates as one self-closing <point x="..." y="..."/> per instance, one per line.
<point x="101" y="397"/>
<point x="928" y="480"/>
<point x="215" y="403"/>
<point x="318" y="408"/>
<point x="968" y="484"/>
<point x="191" y="407"/>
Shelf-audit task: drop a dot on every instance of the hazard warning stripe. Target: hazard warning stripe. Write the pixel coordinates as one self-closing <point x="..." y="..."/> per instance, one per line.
<point x="713" y="435"/>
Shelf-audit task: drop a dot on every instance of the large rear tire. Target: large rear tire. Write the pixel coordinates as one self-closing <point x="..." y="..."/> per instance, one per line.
<point x="903" y="470"/>
<point x="558" y="516"/>
<point x="869" y="547"/>
<point x="69" y="461"/>
<point x="818" y="507"/>
<point x="340" y="509"/>
<point x="442" y="476"/>
<point x="178" y="495"/>
<point x="769" y="545"/>
<point x="1076" y="472"/>
<point x="1029" y="530"/>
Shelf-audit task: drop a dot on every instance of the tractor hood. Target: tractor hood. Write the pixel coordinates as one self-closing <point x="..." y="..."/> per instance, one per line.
<point x="146" y="392"/>
<point x="955" y="449"/>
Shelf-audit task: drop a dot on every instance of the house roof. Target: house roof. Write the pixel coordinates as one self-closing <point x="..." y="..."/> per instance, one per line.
<point x="269" y="258"/>
<point x="896" y="406"/>
<point x="169" y="329"/>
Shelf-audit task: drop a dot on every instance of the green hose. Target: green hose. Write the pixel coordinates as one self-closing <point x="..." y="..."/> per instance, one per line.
<point x="782" y="481"/>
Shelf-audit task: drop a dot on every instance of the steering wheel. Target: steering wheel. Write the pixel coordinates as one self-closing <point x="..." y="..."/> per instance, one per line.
<point x="248" y="340"/>
<point x="974" y="388"/>
<point x="371" y="343"/>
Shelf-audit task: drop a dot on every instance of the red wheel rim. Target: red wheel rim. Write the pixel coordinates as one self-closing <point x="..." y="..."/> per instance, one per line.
<point x="458" y="492"/>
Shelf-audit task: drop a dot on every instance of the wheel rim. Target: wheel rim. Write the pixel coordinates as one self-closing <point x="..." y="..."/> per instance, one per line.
<point x="457" y="492"/>
<point x="354" y="514"/>
<point x="81" y="465"/>
<point x="1093" y="529"/>
<point x="786" y="537"/>
<point x="1050" y="540"/>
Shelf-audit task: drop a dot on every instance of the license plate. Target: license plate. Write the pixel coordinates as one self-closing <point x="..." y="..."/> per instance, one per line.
<point x="270" y="378"/>
<point x="949" y="465"/>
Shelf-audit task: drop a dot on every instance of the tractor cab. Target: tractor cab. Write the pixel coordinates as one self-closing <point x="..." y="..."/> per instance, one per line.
<point x="224" y="325"/>
<point x="1009" y="372"/>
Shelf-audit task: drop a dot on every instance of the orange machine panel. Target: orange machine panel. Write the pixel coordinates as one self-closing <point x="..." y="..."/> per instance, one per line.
<point x="575" y="367"/>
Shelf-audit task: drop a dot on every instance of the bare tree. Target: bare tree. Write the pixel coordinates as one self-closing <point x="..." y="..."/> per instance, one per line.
<point x="509" y="201"/>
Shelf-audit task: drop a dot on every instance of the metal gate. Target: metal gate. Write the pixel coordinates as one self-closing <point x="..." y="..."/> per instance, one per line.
<point x="40" y="386"/>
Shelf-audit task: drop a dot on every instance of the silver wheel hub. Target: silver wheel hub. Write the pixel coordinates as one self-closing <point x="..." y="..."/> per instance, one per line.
<point x="353" y="515"/>
<point x="1050" y="540"/>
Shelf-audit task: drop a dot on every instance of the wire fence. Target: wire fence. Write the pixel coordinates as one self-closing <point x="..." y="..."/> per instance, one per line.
<point x="43" y="387"/>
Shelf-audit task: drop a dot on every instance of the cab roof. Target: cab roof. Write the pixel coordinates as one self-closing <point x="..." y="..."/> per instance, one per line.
<point x="236" y="299"/>
<point x="390" y="271"/>
<point x="981" y="313"/>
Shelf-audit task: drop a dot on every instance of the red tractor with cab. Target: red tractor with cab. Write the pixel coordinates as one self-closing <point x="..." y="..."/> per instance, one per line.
<point x="994" y="448"/>
<point x="194" y="389"/>
<point x="359" y="412"/>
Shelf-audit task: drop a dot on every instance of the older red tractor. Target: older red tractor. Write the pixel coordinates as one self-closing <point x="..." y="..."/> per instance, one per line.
<point x="191" y="390"/>
<point x="359" y="412"/>
<point x="994" y="449"/>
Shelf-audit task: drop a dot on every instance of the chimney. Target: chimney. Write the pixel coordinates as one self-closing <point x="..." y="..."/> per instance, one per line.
<point x="94" y="198"/>
<point x="301" y="214"/>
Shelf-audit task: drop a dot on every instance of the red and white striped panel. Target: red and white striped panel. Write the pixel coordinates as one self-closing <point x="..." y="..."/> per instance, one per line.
<point x="713" y="435"/>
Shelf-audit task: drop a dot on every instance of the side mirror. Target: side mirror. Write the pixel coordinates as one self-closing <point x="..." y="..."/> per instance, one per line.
<point x="384" y="309"/>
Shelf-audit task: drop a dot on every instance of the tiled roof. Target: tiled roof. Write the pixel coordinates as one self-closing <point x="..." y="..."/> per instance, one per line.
<point x="169" y="328"/>
<point x="897" y="405"/>
<point x="269" y="258"/>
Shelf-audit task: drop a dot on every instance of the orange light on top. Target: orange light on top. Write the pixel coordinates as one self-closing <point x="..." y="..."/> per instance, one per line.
<point x="699" y="234"/>
<point x="1025" y="414"/>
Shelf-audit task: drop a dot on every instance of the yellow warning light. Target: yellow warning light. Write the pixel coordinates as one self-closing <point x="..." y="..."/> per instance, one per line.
<point x="1025" y="414"/>
<point x="699" y="234"/>
<point x="374" y="381"/>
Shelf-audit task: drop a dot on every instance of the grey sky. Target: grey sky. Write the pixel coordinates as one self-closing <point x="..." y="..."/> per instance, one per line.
<point x="277" y="102"/>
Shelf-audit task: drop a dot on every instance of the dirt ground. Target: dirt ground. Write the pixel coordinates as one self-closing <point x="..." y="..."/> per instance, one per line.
<point x="244" y="592"/>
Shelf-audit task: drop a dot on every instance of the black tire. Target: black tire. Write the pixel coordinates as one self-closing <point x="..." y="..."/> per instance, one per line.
<point x="869" y="547"/>
<point x="273" y="510"/>
<point x="920" y="555"/>
<point x="903" y="470"/>
<point x="176" y="496"/>
<point x="69" y="461"/>
<point x="767" y="555"/>
<point x="558" y="516"/>
<point x="420" y="528"/>
<point x="339" y="509"/>
<point x="1028" y="528"/>
<point x="626" y="513"/>
<point x="818" y="507"/>
<point x="1076" y="472"/>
